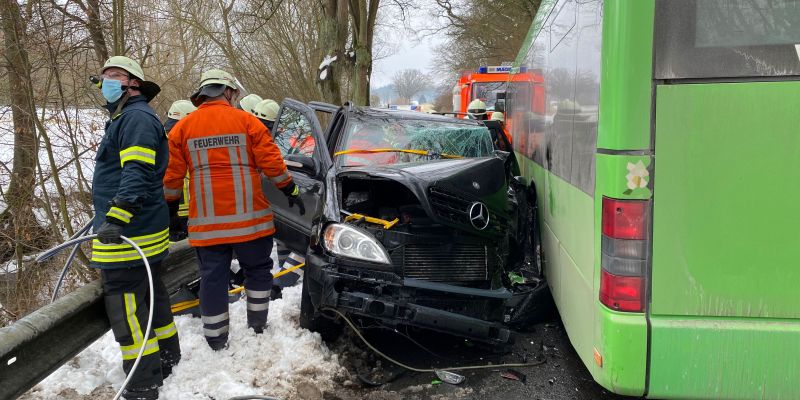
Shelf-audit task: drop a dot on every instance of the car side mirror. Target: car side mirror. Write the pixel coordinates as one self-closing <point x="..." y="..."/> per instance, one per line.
<point x="301" y="163"/>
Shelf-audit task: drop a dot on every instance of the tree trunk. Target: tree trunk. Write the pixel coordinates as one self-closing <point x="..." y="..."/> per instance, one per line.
<point x="364" y="13"/>
<point x="118" y="27"/>
<point x="18" y="218"/>
<point x="332" y="42"/>
<point x="95" y="29"/>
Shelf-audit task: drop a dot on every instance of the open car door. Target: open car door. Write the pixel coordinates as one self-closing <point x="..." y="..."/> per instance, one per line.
<point x="298" y="135"/>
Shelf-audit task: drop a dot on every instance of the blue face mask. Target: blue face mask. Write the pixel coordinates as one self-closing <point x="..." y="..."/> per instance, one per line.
<point x="112" y="90"/>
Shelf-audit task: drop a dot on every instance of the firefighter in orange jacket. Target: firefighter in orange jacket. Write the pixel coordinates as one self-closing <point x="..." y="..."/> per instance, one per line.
<point x="225" y="150"/>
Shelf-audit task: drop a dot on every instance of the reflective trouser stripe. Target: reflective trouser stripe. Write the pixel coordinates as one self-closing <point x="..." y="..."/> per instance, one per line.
<point x="130" y="315"/>
<point x="228" y="233"/>
<point x="132" y="351"/>
<point x="167" y="331"/>
<point x="215" y="325"/>
<point x="257" y="294"/>
<point x="215" y="332"/>
<point x="214" y="319"/>
<point x="257" y="307"/>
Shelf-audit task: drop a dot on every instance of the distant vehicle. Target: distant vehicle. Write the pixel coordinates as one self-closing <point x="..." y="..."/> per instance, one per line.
<point x="412" y="219"/>
<point x="489" y="84"/>
<point x="666" y="168"/>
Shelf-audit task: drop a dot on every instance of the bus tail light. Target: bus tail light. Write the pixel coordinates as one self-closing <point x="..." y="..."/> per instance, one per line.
<point x="624" y="253"/>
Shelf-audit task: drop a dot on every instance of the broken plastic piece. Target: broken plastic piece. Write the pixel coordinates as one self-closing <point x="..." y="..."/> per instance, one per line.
<point x="514" y="375"/>
<point x="515" y="278"/>
<point x="436" y="382"/>
<point x="450" y="377"/>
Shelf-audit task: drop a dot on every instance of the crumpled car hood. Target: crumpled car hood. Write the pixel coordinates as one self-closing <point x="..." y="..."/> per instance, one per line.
<point x="479" y="177"/>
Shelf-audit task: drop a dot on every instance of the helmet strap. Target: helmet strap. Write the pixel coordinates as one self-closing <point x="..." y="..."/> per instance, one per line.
<point x="121" y="104"/>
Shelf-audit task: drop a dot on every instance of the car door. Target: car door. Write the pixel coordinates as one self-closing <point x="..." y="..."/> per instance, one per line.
<point x="298" y="135"/>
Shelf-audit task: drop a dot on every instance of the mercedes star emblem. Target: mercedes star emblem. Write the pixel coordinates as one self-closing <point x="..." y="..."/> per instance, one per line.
<point x="479" y="215"/>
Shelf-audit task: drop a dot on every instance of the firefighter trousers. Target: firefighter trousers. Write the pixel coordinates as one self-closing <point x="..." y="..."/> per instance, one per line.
<point x="126" y="295"/>
<point x="215" y="268"/>
<point x="288" y="259"/>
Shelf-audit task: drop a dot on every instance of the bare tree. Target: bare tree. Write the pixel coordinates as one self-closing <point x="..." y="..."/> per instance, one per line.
<point x="18" y="219"/>
<point x="410" y="82"/>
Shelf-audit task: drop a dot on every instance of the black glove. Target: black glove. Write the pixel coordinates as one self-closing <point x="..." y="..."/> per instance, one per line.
<point x="109" y="233"/>
<point x="292" y="193"/>
<point x="173" y="208"/>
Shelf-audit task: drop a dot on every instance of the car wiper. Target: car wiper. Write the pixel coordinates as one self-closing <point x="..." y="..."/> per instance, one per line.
<point x="409" y="151"/>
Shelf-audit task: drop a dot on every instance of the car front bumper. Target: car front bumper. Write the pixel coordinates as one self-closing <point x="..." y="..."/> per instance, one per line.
<point x="395" y="301"/>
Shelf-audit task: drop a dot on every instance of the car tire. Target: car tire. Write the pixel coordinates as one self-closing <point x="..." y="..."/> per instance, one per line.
<point x="312" y="319"/>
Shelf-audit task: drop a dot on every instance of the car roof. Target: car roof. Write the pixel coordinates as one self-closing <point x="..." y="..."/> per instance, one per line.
<point x="374" y="112"/>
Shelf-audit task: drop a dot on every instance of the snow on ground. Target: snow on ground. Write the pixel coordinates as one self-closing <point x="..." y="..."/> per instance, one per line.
<point x="274" y="363"/>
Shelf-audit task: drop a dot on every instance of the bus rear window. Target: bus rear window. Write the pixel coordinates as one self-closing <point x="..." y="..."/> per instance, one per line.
<point x="727" y="38"/>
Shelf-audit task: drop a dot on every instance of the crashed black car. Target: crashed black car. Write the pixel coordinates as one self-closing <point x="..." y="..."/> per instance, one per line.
<point x="411" y="219"/>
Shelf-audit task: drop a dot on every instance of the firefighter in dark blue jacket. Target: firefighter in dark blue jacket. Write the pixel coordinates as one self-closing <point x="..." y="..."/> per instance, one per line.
<point x="128" y="200"/>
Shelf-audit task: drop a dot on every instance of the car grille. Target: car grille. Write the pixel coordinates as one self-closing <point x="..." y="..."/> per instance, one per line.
<point x="455" y="208"/>
<point x="445" y="262"/>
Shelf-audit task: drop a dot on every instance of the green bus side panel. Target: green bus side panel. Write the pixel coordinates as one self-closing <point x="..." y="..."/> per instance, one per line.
<point x="545" y="7"/>
<point x="724" y="358"/>
<point x="621" y="338"/>
<point x="622" y="341"/>
<point x="567" y="216"/>
<point x="626" y="76"/>
<point x="727" y="201"/>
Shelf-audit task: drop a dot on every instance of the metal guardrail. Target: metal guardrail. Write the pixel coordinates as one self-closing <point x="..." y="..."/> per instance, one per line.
<point x="39" y="343"/>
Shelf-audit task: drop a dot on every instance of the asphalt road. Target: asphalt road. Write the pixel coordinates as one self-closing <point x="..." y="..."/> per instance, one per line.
<point x="560" y="374"/>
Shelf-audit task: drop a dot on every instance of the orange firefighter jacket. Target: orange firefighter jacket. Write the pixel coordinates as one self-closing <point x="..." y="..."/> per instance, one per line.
<point x="225" y="150"/>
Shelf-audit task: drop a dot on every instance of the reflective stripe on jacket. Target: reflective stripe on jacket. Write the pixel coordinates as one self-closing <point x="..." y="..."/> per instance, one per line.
<point x="129" y="166"/>
<point x="224" y="149"/>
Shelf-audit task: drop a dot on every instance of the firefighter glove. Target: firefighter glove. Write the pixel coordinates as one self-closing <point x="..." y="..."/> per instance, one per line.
<point x="110" y="232"/>
<point x="292" y="193"/>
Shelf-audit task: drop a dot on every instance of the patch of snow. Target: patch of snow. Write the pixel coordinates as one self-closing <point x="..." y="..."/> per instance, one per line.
<point x="329" y="59"/>
<point x="274" y="363"/>
<point x="323" y="74"/>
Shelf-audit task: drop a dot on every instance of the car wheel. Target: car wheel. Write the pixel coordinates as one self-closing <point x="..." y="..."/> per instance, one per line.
<point x="312" y="319"/>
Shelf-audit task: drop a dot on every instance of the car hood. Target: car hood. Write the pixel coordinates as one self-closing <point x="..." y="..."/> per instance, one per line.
<point x="480" y="177"/>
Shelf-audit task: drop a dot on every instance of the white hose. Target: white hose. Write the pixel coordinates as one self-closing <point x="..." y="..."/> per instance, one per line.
<point x="74" y="242"/>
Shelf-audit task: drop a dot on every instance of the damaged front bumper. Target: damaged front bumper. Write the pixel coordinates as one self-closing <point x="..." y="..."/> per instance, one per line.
<point x="384" y="296"/>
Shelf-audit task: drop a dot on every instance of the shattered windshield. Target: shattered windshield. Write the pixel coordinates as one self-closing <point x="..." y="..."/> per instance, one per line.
<point x="392" y="141"/>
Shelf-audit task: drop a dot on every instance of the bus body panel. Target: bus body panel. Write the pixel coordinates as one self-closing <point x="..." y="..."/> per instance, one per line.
<point x="724" y="358"/>
<point x="626" y="76"/>
<point x="725" y="240"/>
<point x="724" y="310"/>
<point x="620" y="338"/>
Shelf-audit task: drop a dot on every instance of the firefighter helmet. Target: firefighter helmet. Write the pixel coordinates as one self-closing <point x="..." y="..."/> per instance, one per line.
<point x="249" y="102"/>
<point x="180" y="109"/>
<point x="148" y="89"/>
<point x="267" y="110"/>
<point x="476" y="108"/>
<point x="498" y="116"/>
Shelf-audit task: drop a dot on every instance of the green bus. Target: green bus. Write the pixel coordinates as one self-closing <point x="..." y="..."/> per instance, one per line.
<point x="666" y="166"/>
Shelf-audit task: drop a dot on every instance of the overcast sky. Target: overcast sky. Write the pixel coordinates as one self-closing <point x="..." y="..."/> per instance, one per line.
<point x="410" y="55"/>
<point x="410" y="50"/>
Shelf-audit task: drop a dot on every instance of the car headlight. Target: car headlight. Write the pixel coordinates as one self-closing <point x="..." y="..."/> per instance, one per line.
<point x="348" y="241"/>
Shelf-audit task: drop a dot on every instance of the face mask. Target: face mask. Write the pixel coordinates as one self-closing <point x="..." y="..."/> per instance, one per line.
<point x="112" y="90"/>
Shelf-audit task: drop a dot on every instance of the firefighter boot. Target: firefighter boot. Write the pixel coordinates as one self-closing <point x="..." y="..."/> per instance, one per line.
<point x="140" y="394"/>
